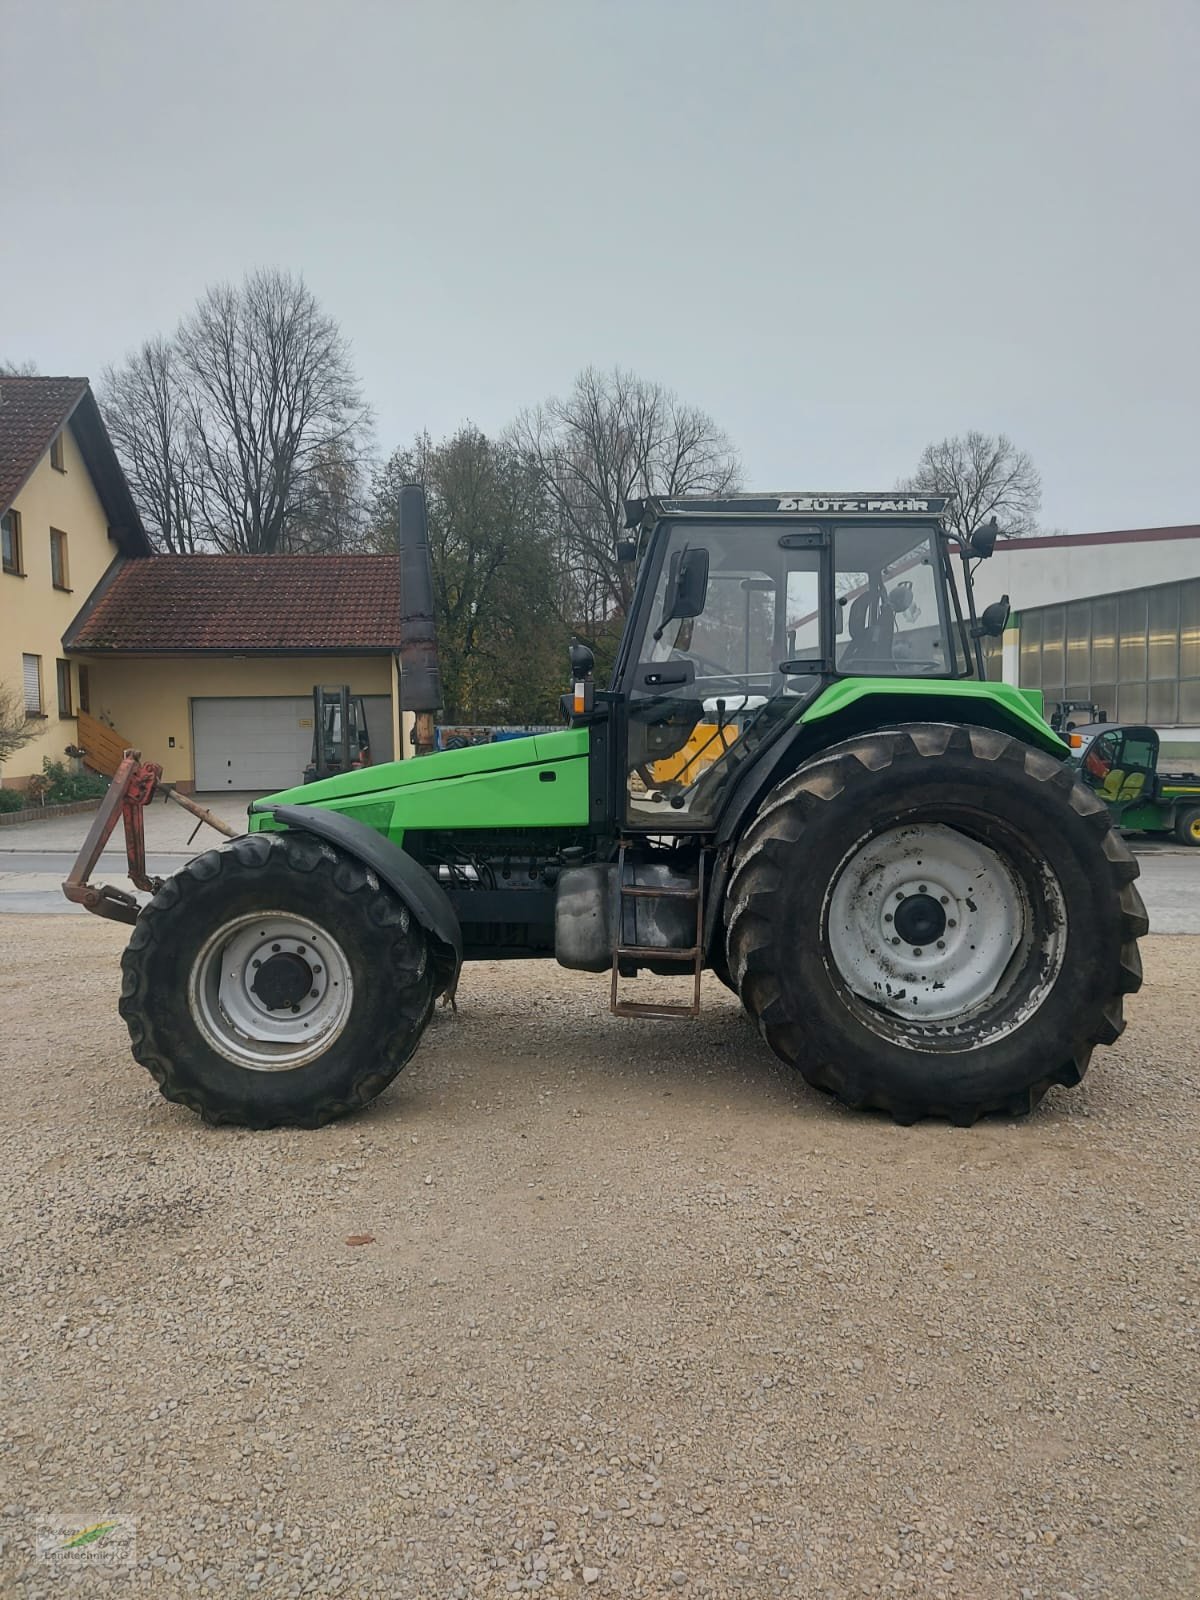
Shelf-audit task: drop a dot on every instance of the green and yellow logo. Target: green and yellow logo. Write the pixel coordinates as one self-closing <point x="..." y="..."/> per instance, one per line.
<point x="87" y="1536"/>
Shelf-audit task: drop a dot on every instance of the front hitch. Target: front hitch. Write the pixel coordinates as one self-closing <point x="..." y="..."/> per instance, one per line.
<point x="134" y="785"/>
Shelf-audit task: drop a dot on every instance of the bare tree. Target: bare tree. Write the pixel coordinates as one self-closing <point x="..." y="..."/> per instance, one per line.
<point x="270" y="390"/>
<point x="17" y="727"/>
<point x="330" y="515"/>
<point x="18" y="369"/>
<point x="986" y="476"/>
<point x="146" y="411"/>
<point x="616" y="437"/>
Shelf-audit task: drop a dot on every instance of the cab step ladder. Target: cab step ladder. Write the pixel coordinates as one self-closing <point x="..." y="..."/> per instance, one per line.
<point x="693" y="956"/>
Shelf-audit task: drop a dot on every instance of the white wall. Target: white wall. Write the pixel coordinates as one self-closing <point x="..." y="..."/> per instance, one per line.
<point x="1039" y="576"/>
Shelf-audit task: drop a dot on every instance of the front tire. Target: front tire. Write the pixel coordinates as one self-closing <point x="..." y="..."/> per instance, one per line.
<point x="1187" y="827"/>
<point x="935" y="920"/>
<point x="275" y="982"/>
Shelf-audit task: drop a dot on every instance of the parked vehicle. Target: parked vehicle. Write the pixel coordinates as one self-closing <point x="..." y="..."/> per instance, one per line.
<point x="340" y="739"/>
<point x="1121" y="763"/>
<point x="889" y="858"/>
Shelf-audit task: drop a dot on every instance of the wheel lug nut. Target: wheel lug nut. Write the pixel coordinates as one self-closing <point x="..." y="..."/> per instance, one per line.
<point x="256" y="962"/>
<point x="887" y="916"/>
<point x="895" y="941"/>
<point x="899" y="894"/>
<point x="945" y="899"/>
<point x="917" y="950"/>
<point x="921" y="889"/>
<point x="950" y="922"/>
<point x="941" y="944"/>
<point x="276" y="947"/>
<point x="312" y="994"/>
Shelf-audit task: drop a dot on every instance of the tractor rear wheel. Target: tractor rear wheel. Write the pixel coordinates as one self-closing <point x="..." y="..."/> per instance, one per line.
<point x="935" y="920"/>
<point x="275" y="981"/>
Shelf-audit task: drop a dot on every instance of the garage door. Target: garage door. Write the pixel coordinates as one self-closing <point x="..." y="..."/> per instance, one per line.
<point x="253" y="744"/>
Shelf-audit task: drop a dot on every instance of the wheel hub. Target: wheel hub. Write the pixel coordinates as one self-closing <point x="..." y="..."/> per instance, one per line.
<point x="919" y="919"/>
<point x="282" y="980"/>
<point x="270" y="991"/>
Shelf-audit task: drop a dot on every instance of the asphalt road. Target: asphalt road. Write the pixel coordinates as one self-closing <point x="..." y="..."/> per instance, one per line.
<point x="30" y="881"/>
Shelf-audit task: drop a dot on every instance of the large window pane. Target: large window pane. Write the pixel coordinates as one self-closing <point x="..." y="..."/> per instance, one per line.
<point x="1131" y="659"/>
<point x="1054" y="621"/>
<point x="1163" y="612"/>
<point x="1104" y="640"/>
<point x="1079" y="634"/>
<point x="1189" y="700"/>
<point x="1131" y="702"/>
<point x="1162" y="702"/>
<point x="1105" y="696"/>
<point x="1031" y="650"/>
<point x="1189" y="629"/>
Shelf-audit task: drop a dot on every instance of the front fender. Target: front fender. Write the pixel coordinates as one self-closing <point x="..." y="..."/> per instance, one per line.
<point x="423" y="895"/>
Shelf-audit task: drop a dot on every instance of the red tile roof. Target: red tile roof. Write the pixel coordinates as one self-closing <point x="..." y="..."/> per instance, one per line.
<point x="294" y="604"/>
<point x="32" y="412"/>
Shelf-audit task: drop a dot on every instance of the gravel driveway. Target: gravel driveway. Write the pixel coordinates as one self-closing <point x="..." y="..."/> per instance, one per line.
<point x="638" y="1315"/>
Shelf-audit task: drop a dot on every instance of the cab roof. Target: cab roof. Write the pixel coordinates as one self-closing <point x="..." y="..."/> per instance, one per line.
<point x="882" y="503"/>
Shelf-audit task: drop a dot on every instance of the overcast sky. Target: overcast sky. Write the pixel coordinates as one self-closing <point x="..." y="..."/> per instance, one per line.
<point x="844" y="227"/>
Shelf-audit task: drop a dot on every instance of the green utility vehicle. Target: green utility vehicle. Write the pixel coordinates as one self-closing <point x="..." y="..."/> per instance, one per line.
<point x="797" y="778"/>
<point x="1122" y="764"/>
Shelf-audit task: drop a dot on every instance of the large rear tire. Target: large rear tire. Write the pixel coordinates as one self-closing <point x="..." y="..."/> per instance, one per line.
<point x="935" y="920"/>
<point x="275" y="981"/>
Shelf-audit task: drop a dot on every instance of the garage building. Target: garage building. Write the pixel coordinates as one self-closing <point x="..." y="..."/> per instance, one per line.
<point x="207" y="663"/>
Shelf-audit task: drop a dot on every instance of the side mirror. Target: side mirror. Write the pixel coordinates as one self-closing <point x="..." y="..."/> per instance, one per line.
<point x="993" y="619"/>
<point x="627" y="550"/>
<point x="983" y="541"/>
<point x="583" y="661"/>
<point x="687" y="586"/>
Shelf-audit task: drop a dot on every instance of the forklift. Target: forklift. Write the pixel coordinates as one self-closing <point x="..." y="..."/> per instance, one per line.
<point x="340" y="740"/>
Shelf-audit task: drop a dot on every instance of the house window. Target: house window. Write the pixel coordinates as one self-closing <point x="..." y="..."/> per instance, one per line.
<point x="85" y="690"/>
<point x="59" y="571"/>
<point x="56" y="454"/>
<point x="31" y="673"/>
<point x="65" y="707"/>
<point x="10" y="523"/>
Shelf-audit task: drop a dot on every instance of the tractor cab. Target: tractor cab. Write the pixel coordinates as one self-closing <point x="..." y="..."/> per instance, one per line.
<point x="340" y="739"/>
<point x="746" y="608"/>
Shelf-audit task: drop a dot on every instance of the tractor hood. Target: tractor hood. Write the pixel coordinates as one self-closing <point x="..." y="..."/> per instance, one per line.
<point x="540" y="781"/>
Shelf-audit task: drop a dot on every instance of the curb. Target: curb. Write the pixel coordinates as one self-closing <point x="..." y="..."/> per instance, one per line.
<point x="76" y="808"/>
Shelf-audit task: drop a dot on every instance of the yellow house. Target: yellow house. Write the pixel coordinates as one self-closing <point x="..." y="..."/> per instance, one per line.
<point x="66" y="514"/>
<point x="206" y="664"/>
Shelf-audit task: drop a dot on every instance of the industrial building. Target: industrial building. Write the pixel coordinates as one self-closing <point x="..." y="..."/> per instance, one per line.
<point x="1112" y="618"/>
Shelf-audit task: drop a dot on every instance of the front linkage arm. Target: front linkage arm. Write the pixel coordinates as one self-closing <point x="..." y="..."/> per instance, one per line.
<point x="134" y="785"/>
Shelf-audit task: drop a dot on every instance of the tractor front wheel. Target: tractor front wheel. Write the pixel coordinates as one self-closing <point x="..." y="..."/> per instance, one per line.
<point x="275" y="981"/>
<point x="1187" y="826"/>
<point x="935" y="920"/>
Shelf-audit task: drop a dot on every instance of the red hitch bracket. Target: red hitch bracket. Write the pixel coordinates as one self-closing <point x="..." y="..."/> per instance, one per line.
<point x="134" y="785"/>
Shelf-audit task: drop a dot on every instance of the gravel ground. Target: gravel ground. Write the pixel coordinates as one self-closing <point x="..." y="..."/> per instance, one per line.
<point x="630" y="1323"/>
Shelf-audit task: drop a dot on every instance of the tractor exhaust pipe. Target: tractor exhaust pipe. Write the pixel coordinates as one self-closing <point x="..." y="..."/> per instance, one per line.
<point x="420" y="676"/>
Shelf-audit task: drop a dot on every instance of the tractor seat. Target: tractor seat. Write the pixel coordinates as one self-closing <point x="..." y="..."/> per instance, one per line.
<point x="1121" y="786"/>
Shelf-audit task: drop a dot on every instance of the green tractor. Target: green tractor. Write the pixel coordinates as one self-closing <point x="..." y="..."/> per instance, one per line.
<point x="798" y="778"/>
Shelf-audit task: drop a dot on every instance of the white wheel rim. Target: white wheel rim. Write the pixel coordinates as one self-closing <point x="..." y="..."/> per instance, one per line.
<point x="966" y="933"/>
<point x="239" y="1022"/>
